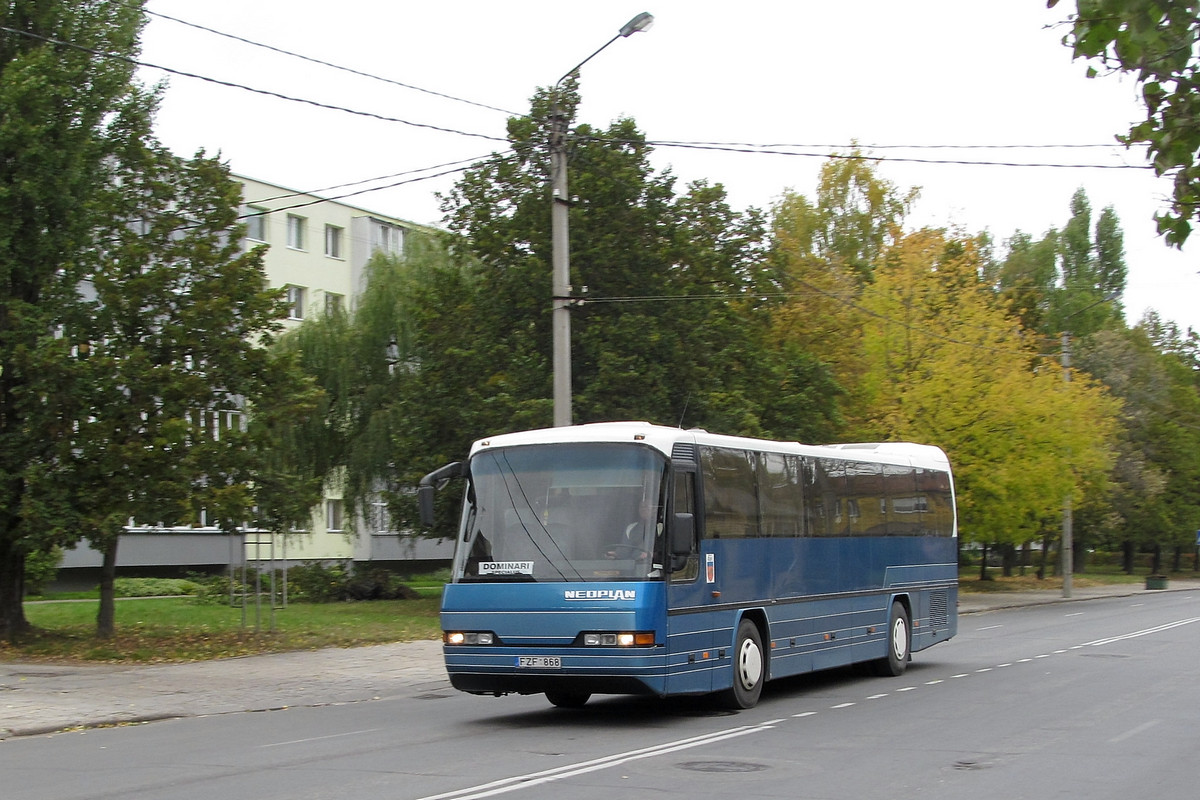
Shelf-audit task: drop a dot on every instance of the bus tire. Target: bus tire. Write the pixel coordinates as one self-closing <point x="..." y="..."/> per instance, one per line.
<point x="749" y="667"/>
<point x="899" y="643"/>
<point x="568" y="699"/>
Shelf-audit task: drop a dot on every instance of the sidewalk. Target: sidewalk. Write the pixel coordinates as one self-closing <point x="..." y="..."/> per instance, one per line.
<point x="40" y="698"/>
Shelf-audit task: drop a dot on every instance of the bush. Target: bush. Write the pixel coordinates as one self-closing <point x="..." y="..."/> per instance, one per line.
<point x="378" y="584"/>
<point x="154" y="587"/>
<point x="314" y="582"/>
<point x="41" y="567"/>
<point x="310" y="582"/>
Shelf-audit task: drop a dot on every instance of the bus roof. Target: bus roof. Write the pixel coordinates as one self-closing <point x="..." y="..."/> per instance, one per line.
<point x="664" y="438"/>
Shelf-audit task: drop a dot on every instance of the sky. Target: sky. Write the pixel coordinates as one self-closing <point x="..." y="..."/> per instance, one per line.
<point x="917" y="83"/>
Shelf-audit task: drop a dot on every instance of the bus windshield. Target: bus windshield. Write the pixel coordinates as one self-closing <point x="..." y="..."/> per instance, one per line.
<point x="564" y="512"/>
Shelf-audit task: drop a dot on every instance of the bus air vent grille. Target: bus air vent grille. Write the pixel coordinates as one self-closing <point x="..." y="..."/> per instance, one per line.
<point x="939" y="615"/>
<point x="684" y="451"/>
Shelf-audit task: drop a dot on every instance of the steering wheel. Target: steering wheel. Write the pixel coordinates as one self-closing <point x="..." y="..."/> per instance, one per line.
<point x="633" y="551"/>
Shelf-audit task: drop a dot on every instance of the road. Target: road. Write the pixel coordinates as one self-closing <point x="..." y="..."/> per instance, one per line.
<point x="1095" y="700"/>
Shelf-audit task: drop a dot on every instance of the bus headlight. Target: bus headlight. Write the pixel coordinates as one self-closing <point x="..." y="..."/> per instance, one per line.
<point x="469" y="637"/>
<point x="619" y="639"/>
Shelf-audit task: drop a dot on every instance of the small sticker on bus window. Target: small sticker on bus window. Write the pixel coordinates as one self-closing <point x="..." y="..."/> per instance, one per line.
<point x="710" y="567"/>
<point x="505" y="567"/>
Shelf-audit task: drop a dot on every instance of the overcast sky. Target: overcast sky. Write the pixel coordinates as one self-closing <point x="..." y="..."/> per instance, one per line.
<point x="925" y="74"/>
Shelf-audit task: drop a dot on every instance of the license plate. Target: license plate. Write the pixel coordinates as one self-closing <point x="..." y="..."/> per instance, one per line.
<point x="539" y="662"/>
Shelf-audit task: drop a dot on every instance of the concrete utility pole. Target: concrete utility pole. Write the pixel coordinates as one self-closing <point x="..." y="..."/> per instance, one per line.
<point x="1066" y="551"/>
<point x="560" y="203"/>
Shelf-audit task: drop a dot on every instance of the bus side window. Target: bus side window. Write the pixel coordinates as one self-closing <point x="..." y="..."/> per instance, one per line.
<point x="685" y="568"/>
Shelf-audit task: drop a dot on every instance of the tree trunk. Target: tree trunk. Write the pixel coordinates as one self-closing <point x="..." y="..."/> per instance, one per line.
<point x="1156" y="565"/>
<point x="1041" y="573"/>
<point x="1177" y="560"/>
<point x="1127" y="557"/>
<point x="1008" y="556"/>
<point x="983" y="573"/>
<point x="106" y="617"/>
<point x="12" y="591"/>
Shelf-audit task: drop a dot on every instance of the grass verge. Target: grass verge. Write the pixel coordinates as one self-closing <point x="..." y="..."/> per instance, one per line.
<point x="968" y="580"/>
<point x="172" y="629"/>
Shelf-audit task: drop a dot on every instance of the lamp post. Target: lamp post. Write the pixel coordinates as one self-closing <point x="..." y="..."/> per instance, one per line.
<point x="559" y="234"/>
<point x="1066" y="551"/>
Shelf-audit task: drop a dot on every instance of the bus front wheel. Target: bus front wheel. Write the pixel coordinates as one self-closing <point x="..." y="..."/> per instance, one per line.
<point x="749" y="667"/>
<point x="899" y="644"/>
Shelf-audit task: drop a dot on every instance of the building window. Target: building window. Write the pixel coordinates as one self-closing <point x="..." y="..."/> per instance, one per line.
<point x="333" y="516"/>
<point x="381" y="518"/>
<point x="256" y="223"/>
<point x="388" y="238"/>
<point x="295" y="232"/>
<point x="334" y="304"/>
<point x="295" y="299"/>
<point x="333" y="241"/>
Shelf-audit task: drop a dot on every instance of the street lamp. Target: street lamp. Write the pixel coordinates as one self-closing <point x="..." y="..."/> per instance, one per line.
<point x="1066" y="551"/>
<point x="560" y="245"/>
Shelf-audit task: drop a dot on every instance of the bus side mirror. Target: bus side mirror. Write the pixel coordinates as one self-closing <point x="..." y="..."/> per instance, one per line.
<point x="430" y="484"/>
<point x="683" y="534"/>
<point x="425" y="501"/>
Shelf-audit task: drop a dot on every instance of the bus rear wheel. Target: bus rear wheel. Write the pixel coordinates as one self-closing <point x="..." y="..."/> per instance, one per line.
<point x="899" y="644"/>
<point x="749" y="668"/>
<point x="568" y="699"/>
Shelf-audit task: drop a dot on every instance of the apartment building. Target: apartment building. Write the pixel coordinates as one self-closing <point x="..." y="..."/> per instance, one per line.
<point x="317" y="250"/>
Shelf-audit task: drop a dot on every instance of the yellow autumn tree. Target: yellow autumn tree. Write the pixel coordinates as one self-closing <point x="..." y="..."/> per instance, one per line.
<point x="823" y="253"/>
<point x="945" y="364"/>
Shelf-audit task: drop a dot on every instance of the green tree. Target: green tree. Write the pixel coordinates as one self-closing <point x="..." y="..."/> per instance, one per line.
<point x="66" y="112"/>
<point x="1156" y="41"/>
<point x="397" y="380"/>
<point x="176" y="320"/>
<point x="1027" y="276"/>
<point x="668" y="329"/>
<point x="1092" y="271"/>
<point x="1136" y="513"/>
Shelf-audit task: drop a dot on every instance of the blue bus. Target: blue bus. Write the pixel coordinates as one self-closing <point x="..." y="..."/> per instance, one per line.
<point x="630" y="558"/>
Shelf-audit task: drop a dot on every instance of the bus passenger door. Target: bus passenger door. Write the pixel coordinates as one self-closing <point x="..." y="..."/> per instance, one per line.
<point x="691" y="656"/>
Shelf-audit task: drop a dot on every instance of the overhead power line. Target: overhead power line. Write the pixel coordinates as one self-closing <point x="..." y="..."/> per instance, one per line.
<point x="461" y="163"/>
<point x="782" y="149"/>
<point x="779" y="151"/>
<point x="319" y="200"/>
<point x="329" y="64"/>
<point x="244" y="87"/>
<point x="734" y="148"/>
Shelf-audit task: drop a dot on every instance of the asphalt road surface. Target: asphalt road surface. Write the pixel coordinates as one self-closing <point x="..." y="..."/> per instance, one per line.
<point x="1091" y="700"/>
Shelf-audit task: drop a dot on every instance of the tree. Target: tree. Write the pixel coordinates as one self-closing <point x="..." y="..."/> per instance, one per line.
<point x="1092" y="272"/>
<point x="1157" y="41"/>
<point x="397" y="379"/>
<point x="175" y="322"/>
<point x="823" y="254"/>
<point x="947" y="365"/>
<point x="1135" y="513"/>
<point x="68" y="112"/>
<point x="668" y="329"/>
<point x="1027" y="276"/>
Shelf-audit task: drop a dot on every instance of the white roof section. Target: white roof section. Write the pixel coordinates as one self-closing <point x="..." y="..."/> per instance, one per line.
<point x="664" y="438"/>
